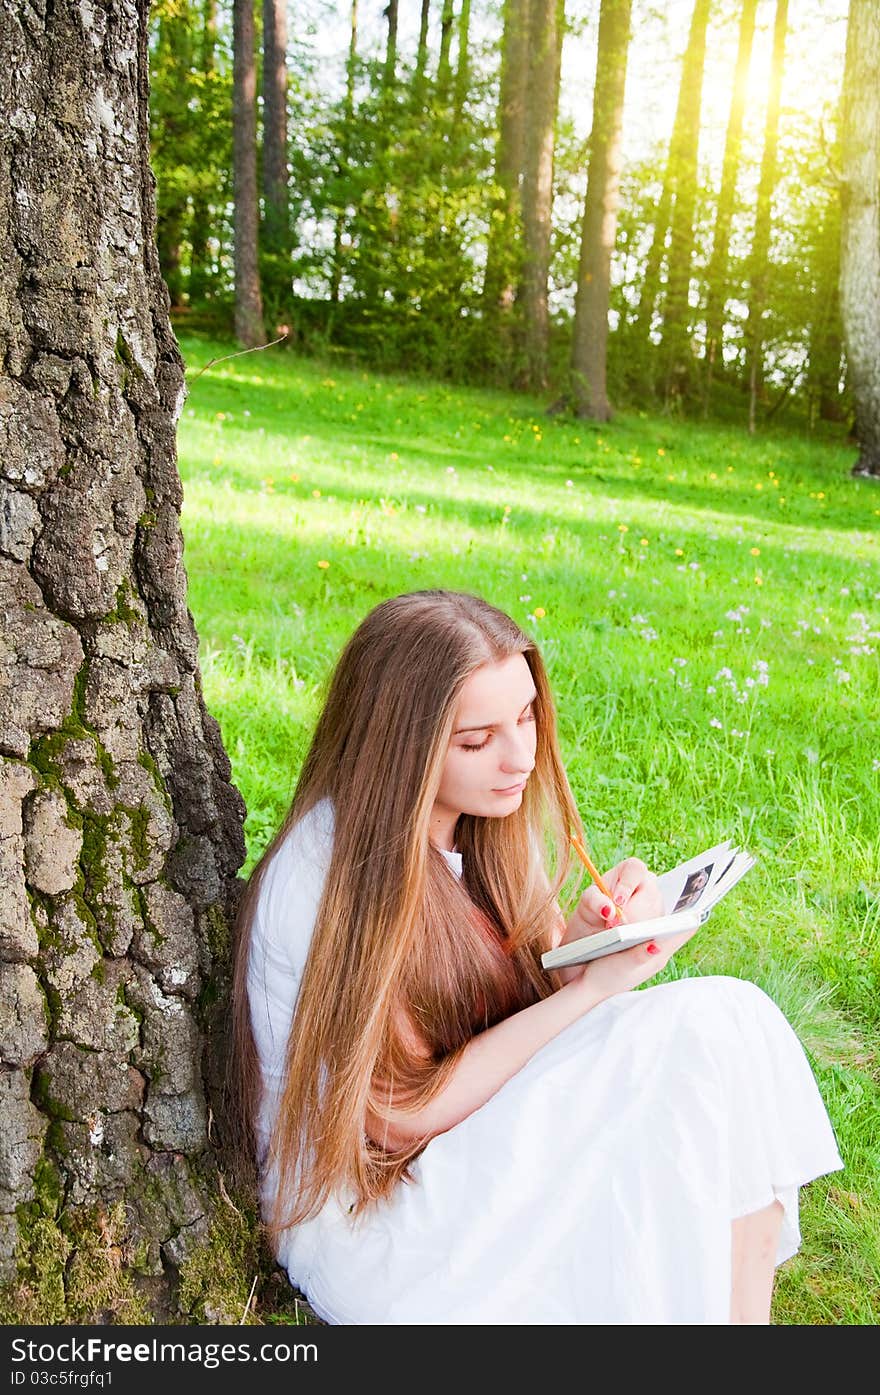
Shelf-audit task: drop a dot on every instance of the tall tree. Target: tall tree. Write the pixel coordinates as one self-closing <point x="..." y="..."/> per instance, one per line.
<point x="344" y="153"/>
<point x="820" y="267"/>
<point x="546" y="19"/>
<point x="716" y="276"/>
<point x="444" y="62"/>
<point x="590" y="336"/>
<point x="276" y="222"/>
<point x="121" y="831"/>
<point x="422" y="50"/>
<point x="391" y="44"/>
<point x="676" y="311"/>
<point x="174" y="54"/>
<point x="860" y="227"/>
<point x="248" y="294"/>
<point x="759" y="260"/>
<point x="462" y="70"/>
<point x="505" y="225"/>
<point x="202" y="212"/>
<point x="679" y="184"/>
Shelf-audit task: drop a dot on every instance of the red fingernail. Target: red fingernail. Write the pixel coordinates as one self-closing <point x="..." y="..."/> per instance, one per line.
<point x="652" y="948"/>
<point x="606" y="910"/>
<point x="620" y="898"/>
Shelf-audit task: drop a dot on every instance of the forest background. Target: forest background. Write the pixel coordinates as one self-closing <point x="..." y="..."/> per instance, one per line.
<point x="406" y="187"/>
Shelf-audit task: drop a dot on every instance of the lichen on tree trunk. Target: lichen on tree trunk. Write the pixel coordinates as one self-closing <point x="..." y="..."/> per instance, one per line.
<point x="120" y="830"/>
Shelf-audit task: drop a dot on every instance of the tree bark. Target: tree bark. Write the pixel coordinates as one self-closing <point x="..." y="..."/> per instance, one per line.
<point x="760" y="255"/>
<point x="716" y="277"/>
<point x="590" y="335"/>
<point x="248" y="296"/>
<point x="860" y="227"/>
<point x="121" y="831"/>
<point x="684" y="175"/>
<point x="545" y="49"/>
<point x="276" y="225"/>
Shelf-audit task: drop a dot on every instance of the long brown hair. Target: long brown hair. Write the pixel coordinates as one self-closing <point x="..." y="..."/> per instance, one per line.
<point x="400" y="944"/>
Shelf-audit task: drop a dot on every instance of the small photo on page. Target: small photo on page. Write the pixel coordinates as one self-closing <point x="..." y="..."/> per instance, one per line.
<point x="694" y="887"/>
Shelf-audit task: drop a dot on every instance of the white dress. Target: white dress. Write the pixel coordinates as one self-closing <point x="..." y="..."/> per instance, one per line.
<point x="596" y="1186"/>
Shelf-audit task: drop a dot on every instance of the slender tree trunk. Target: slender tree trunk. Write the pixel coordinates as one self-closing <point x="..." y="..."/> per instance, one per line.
<point x="276" y="224"/>
<point x="679" y="161"/>
<point x="248" y="295"/>
<point x="590" y="336"/>
<point x="503" y="271"/>
<point x="391" y="45"/>
<point x="121" y="831"/>
<point x="676" y="313"/>
<point x="339" y="222"/>
<point x="444" y="65"/>
<point x="824" y="370"/>
<point x="176" y="39"/>
<point x="422" y="51"/>
<point x="760" y="257"/>
<point x="202" y="213"/>
<point x="545" y="46"/>
<point x="716" y="278"/>
<point x="462" y="72"/>
<point x="860" y="227"/>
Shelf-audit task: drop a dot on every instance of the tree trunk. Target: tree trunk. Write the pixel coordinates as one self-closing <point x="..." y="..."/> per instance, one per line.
<point x="502" y="255"/>
<point x="760" y="256"/>
<point x="678" y="161"/>
<point x="444" y="66"/>
<point x="248" y="296"/>
<point x="422" y="51"/>
<point x="545" y="48"/>
<point x="202" y="213"/>
<point x="342" y="167"/>
<point x="175" y="38"/>
<point x="860" y="227"/>
<point x="716" y="278"/>
<point x="590" y="336"/>
<point x="462" y="72"/>
<point x="276" y="225"/>
<point x="391" y="44"/>
<point x="684" y="175"/>
<point x="121" y="831"/>
<point x="824" y="369"/>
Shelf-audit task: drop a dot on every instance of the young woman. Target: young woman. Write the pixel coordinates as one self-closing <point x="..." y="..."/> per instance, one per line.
<point x="445" y="1132"/>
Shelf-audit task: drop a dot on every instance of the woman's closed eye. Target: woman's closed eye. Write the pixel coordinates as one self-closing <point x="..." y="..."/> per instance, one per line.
<point x="527" y="716"/>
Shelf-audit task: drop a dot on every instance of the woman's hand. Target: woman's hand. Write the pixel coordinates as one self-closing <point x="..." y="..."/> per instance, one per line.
<point x="637" y="891"/>
<point x="633" y="888"/>
<point x="627" y="968"/>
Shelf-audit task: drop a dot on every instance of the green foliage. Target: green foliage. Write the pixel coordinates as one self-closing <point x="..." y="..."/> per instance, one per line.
<point x="395" y="215"/>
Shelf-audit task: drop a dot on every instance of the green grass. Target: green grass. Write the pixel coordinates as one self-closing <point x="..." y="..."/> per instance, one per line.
<point x="709" y="609"/>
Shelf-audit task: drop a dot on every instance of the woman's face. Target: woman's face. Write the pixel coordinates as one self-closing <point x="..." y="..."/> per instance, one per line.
<point x="492" y="748"/>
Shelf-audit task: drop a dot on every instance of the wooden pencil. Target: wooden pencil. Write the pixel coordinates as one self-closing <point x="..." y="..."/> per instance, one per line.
<point x="594" y="872"/>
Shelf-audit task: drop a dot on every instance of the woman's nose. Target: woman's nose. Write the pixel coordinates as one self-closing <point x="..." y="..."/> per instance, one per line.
<point x="519" y="758"/>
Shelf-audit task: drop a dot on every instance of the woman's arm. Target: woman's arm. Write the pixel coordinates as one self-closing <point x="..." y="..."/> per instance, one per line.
<point x="492" y="1057"/>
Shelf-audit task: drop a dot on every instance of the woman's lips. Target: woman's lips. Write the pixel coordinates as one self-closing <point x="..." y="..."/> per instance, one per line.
<point x="512" y="789"/>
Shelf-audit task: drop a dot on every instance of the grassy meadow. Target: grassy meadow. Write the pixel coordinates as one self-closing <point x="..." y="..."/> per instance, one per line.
<point x="709" y="609"/>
